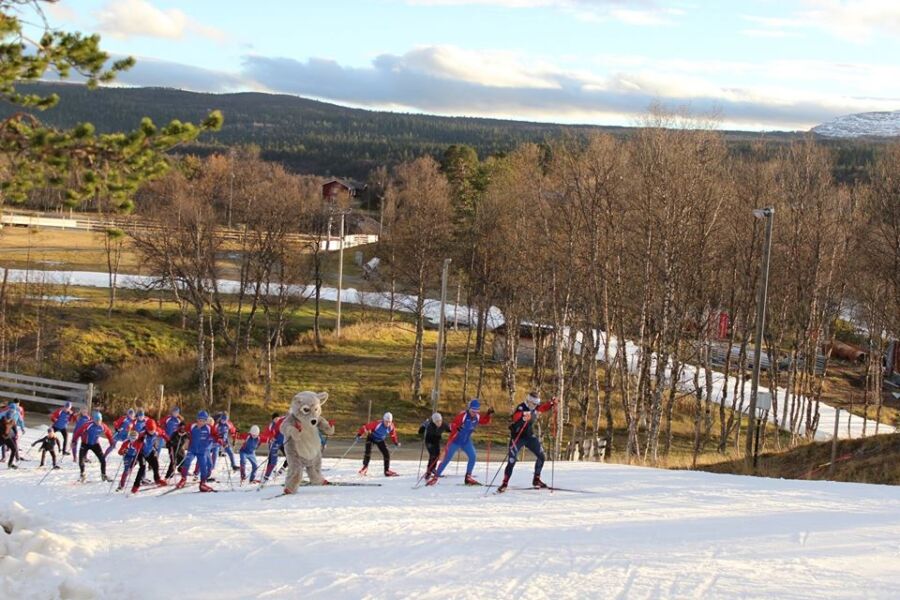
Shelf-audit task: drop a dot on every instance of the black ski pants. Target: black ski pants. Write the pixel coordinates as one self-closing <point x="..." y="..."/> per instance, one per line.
<point x="64" y="432"/>
<point x="10" y="444"/>
<point x="434" y="455"/>
<point x="95" y="448"/>
<point x="384" y="452"/>
<point x="52" y="455"/>
<point x="533" y="444"/>
<point x="143" y="461"/>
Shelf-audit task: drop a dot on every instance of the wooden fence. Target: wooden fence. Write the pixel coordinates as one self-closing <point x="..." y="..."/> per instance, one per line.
<point x="45" y="391"/>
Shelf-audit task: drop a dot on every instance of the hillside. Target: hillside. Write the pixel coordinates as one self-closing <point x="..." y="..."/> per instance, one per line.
<point x="306" y="135"/>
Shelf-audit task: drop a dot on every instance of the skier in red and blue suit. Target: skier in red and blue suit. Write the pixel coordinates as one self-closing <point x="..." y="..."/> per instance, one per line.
<point x="273" y="436"/>
<point x="129" y="453"/>
<point x="83" y="418"/>
<point x="89" y="435"/>
<point x="141" y="421"/>
<point x="461" y="431"/>
<point x="375" y="433"/>
<point x="248" y="454"/>
<point x="202" y="436"/>
<point x="521" y="435"/>
<point x="150" y="443"/>
<point x="226" y="431"/>
<point x="122" y="426"/>
<point x="60" y="419"/>
<point x="170" y="425"/>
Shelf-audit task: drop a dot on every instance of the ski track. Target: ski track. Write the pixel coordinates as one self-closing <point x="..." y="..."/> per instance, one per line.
<point x="644" y="533"/>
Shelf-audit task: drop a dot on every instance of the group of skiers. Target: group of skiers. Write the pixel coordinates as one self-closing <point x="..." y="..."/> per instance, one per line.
<point x="201" y="443"/>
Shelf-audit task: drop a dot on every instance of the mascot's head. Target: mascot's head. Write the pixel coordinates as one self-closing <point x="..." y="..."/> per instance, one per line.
<point x="307" y="406"/>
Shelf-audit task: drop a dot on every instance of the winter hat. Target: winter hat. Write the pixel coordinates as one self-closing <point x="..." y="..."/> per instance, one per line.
<point x="223" y="417"/>
<point x="436" y="418"/>
<point x="98" y="416"/>
<point x="151" y="427"/>
<point x="130" y="412"/>
<point x="388" y="417"/>
<point x="68" y="404"/>
<point x="50" y="431"/>
<point x="140" y="414"/>
<point x="254" y="431"/>
<point x="533" y="399"/>
<point x="202" y="415"/>
<point x="474" y="404"/>
<point x="133" y="435"/>
<point x="176" y="411"/>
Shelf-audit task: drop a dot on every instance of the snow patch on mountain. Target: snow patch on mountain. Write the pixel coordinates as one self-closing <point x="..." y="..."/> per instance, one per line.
<point x="869" y="124"/>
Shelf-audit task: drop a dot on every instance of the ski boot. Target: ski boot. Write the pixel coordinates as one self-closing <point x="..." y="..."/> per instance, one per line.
<point x="119" y="488"/>
<point x="537" y="484"/>
<point x="134" y="489"/>
<point x="181" y="482"/>
<point x="13" y="467"/>
<point x="390" y="473"/>
<point x="161" y="483"/>
<point x="106" y="478"/>
<point x="363" y="471"/>
<point x="56" y="466"/>
<point x="287" y="491"/>
<point x="235" y="468"/>
<point x="469" y="480"/>
<point x="503" y="486"/>
<point x="82" y="478"/>
<point x="205" y="488"/>
<point x="432" y="481"/>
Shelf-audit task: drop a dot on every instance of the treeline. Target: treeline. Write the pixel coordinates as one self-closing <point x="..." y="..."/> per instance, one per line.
<point x="586" y="242"/>
<point x="320" y="138"/>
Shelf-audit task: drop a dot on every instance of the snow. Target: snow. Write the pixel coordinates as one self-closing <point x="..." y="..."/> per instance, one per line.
<point x="638" y="533"/>
<point x="874" y="124"/>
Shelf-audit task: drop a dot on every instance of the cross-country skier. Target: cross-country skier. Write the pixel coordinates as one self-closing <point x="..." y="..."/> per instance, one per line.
<point x="49" y="443"/>
<point x="375" y="433"/>
<point x="521" y="435"/>
<point x="141" y="421"/>
<point x="177" y="446"/>
<point x="10" y="424"/>
<point x="248" y="454"/>
<point x="83" y="418"/>
<point x="273" y="436"/>
<point x="170" y="425"/>
<point x="89" y="436"/>
<point x="121" y="426"/>
<point x="202" y="437"/>
<point x="129" y="453"/>
<point x="225" y="429"/>
<point x="60" y="419"/>
<point x="149" y="443"/>
<point x="461" y="431"/>
<point x="433" y="431"/>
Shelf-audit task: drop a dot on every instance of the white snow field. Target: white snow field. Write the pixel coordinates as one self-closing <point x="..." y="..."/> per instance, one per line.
<point x="635" y="533"/>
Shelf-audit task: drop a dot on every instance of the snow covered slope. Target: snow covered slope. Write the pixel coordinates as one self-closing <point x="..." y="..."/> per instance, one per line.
<point x="873" y="124"/>
<point x="635" y="533"/>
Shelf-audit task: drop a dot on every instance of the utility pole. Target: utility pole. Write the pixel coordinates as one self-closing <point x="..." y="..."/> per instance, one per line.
<point x="436" y="389"/>
<point x="337" y="329"/>
<point x="768" y="214"/>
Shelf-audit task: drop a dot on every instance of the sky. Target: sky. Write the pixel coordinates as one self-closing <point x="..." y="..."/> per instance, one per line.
<point x="752" y="64"/>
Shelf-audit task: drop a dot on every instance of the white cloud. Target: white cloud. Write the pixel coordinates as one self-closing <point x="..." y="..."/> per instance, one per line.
<point x="447" y="80"/>
<point x="134" y="18"/>
<point x="632" y="12"/>
<point x="856" y="20"/>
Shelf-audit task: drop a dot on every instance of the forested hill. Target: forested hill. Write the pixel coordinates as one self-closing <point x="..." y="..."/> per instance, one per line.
<point x="306" y="135"/>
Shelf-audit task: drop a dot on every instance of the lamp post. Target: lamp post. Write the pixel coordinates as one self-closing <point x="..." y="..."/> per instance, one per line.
<point x="768" y="214"/>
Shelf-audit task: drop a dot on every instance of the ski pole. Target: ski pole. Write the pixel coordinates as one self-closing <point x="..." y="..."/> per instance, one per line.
<point x="555" y="453"/>
<point x="355" y="441"/>
<point x="487" y="465"/>
<point x="113" y="482"/>
<point x="512" y="447"/>
<point x="421" y="454"/>
<point x="45" y="476"/>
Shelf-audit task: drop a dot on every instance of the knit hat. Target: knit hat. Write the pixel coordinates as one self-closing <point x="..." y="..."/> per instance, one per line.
<point x="223" y="417"/>
<point x="176" y="410"/>
<point x="254" y="431"/>
<point x="436" y="418"/>
<point x="151" y="427"/>
<point x="474" y="404"/>
<point x="68" y="404"/>
<point x="140" y="414"/>
<point x="98" y="416"/>
<point x="202" y="415"/>
<point x="388" y="417"/>
<point x="130" y="412"/>
<point x="533" y="399"/>
<point x="133" y="435"/>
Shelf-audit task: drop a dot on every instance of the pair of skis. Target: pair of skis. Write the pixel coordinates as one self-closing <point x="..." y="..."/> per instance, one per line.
<point x="329" y="484"/>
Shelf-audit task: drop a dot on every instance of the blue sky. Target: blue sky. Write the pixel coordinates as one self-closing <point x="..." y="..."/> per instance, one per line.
<point x="757" y="64"/>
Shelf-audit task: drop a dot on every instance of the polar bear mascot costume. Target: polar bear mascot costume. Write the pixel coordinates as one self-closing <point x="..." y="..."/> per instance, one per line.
<point x="301" y="439"/>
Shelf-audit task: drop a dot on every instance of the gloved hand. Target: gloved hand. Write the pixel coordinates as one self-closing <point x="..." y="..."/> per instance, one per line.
<point x="331" y="422"/>
<point x="358" y="437"/>
<point x="397" y="445"/>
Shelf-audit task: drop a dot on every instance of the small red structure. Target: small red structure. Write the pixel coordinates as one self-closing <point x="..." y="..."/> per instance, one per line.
<point x="337" y="190"/>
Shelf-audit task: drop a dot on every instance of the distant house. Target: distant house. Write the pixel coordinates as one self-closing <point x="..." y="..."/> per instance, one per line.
<point x="338" y="192"/>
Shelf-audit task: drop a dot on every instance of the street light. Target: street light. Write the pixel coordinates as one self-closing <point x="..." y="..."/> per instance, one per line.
<point x="768" y="214"/>
<point x="337" y="331"/>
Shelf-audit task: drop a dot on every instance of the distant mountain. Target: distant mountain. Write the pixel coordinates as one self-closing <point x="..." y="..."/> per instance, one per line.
<point x="305" y="135"/>
<point x="869" y="124"/>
